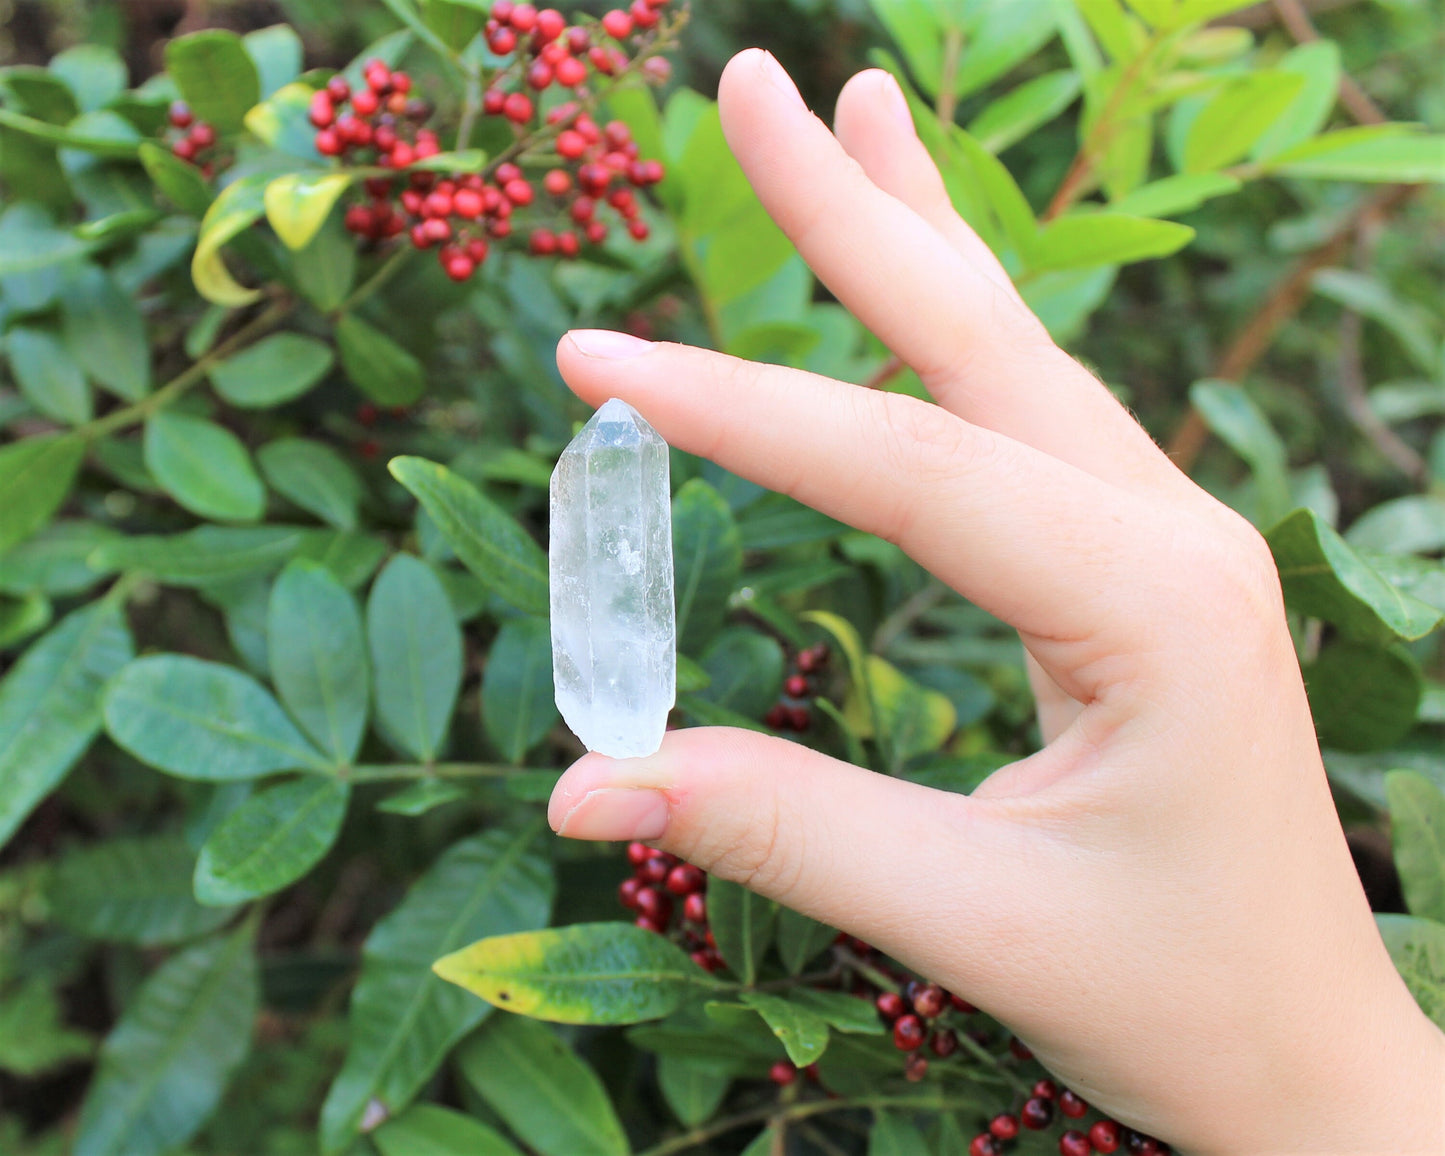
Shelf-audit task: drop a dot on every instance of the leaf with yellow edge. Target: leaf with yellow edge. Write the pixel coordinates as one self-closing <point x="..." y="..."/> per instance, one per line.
<point x="912" y="720"/>
<point x="589" y="973"/>
<point x="860" y="719"/>
<point x="237" y="208"/>
<point x="298" y="204"/>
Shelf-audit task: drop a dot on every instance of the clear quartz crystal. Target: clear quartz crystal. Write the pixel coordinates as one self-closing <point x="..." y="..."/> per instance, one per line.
<point x="614" y="623"/>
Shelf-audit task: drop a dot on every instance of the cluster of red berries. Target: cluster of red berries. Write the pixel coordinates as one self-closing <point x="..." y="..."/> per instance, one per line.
<point x="661" y="886"/>
<point x="380" y="118"/>
<point x="1038" y="1112"/>
<point x="918" y="1016"/>
<point x="193" y="139"/>
<point x="794" y="712"/>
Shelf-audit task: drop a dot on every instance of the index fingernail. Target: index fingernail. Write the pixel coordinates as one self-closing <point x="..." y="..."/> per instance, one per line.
<point x="777" y="76"/>
<point x="615" y="813"/>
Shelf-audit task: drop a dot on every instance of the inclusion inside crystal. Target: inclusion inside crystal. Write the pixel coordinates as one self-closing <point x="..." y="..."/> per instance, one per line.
<point x="614" y="628"/>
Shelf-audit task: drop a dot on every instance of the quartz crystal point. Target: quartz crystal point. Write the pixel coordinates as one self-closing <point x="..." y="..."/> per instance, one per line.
<point x="614" y="624"/>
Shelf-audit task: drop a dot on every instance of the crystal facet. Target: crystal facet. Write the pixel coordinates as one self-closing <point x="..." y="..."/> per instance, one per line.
<point x="614" y="623"/>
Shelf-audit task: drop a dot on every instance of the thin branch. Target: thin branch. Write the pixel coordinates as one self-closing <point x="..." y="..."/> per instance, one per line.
<point x="907" y="613"/>
<point x="399" y="772"/>
<point x="947" y="102"/>
<point x="886" y="373"/>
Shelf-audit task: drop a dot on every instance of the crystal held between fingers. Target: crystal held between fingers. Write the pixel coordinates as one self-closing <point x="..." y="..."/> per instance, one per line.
<point x="614" y="624"/>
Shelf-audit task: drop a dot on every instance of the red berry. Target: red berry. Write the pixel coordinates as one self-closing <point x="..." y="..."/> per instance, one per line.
<point x="647" y="923"/>
<point x="654" y="904"/>
<point x="378" y="77"/>
<point x="782" y="1073"/>
<point x="203" y="135"/>
<point x="519" y="192"/>
<point x="539" y="76"/>
<point x="890" y="1005"/>
<point x="550" y="25"/>
<point x="657" y="69"/>
<point x="467" y="203"/>
<point x="643" y="15"/>
<point x="589" y="130"/>
<point x="624" y="201"/>
<point x="596" y="232"/>
<point x="503" y="42"/>
<point x="915" y="1067"/>
<point x="583" y="210"/>
<point x="984" y="1145"/>
<point x="366" y="414"/>
<point x="578" y="40"/>
<point x="436" y="230"/>
<point x="518" y="108"/>
<point x="943" y="1042"/>
<point x="571" y="144"/>
<point x="627" y="892"/>
<point x="339" y="89"/>
<point x="500" y="229"/>
<point x="419" y="238"/>
<point x="328" y="144"/>
<point x="1004" y="1126"/>
<point x="507" y="171"/>
<point x="798" y="716"/>
<point x="907" y="1033"/>
<point x="412" y="201"/>
<point x="427" y="145"/>
<point x="777" y="718"/>
<point x="378" y="186"/>
<point x="437" y="204"/>
<point x="181" y="115"/>
<point x="554" y="53"/>
<point x="323" y="111"/>
<point x="1018" y="1049"/>
<point x="962" y="1005"/>
<point x="603" y="61"/>
<point x="365" y="102"/>
<point x="557" y="182"/>
<point x="928" y="1001"/>
<point x="369" y="449"/>
<point x="524" y="18"/>
<point x="400" y="82"/>
<point x="655" y="870"/>
<point x="477" y="250"/>
<point x="359" y="219"/>
<point x="1037" y="1114"/>
<point x="502" y="10"/>
<point x="797" y="687"/>
<point x="694" y="908"/>
<point x="1046" y="1089"/>
<point x="1074" y="1143"/>
<point x="617" y="134"/>
<point x="571" y="72"/>
<point x="185" y="149"/>
<point x="705" y="960"/>
<point x="1071" y="1105"/>
<point x="617" y="24"/>
<point x="402" y="155"/>
<point x="493" y="101"/>
<point x="684" y="879"/>
<point x="459" y="267"/>
<point x="638" y="853"/>
<point x="384" y="138"/>
<point x="1104" y="1136"/>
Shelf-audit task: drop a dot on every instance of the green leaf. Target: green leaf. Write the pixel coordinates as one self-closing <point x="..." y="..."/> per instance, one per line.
<point x="911" y="720"/>
<point x="32" y="253"/>
<point x="34" y="1039"/>
<point x="486" y="539"/>
<point x="416" y="655"/>
<point x="203" y="556"/>
<point x="239" y="206"/>
<point x="132" y="891"/>
<point x="1085" y="239"/>
<point x="1237" y="116"/>
<point x="48" y="375"/>
<point x="270" y="841"/>
<point x="1002" y="36"/>
<point x="283" y="122"/>
<point x="40" y="94"/>
<point x="894" y="1134"/>
<point x="800" y="939"/>
<point x="315" y="477"/>
<point x="588" y="973"/>
<point x="1023" y="109"/>
<point x="179" y="181"/>
<point x="377" y="365"/>
<point x="1389" y="153"/>
<point x="693" y="1088"/>
<point x="318" y="658"/>
<point x="456" y="23"/>
<point x="1232" y="414"/>
<point x="297" y="204"/>
<point x="105" y="333"/>
<point x="546" y="1094"/>
<point x="96" y="74"/>
<point x="421" y="797"/>
<point x="518" y="702"/>
<point x="803" y="1033"/>
<point x="50" y="706"/>
<point x="1319" y="64"/>
<point x="742" y="923"/>
<point x="847" y="1013"/>
<point x="275" y="370"/>
<point x="745" y="671"/>
<point x="404" y="1020"/>
<point x="278" y="55"/>
<point x="1324" y="578"/>
<point x="55" y="561"/>
<point x="1417" y="830"/>
<point x="1412" y="325"/>
<point x="215" y="76"/>
<point x="1363" y="698"/>
<point x="431" y="1130"/>
<point x="1418" y="948"/>
<point x="201" y="720"/>
<point x="708" y="560"/>
<point x="36" y="474"/>
<point x="1409" y="525"/>
<point x="916" y="27"/>
<point x="325" y="270"/>
<point x="204" y="467"/>
<point x="1175" y="195"/>
<point x="167" y="1062"/>
<point x="1118" y="32"/>
<point x="20" y="618"/>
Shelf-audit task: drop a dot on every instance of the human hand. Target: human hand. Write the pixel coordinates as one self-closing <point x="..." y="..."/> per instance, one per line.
<point x="1160" y="902"/>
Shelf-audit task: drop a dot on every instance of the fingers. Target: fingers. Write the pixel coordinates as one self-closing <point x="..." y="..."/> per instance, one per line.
<point x="875" y="127"/>
<point x="1040" y="544"/>
<point x="980" y="353"/>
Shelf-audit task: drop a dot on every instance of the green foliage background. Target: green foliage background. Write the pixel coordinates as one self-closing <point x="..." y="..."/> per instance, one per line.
<point x="276" y="722"/>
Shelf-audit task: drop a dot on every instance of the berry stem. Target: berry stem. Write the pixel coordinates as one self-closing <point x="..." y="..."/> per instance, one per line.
<point x="384" y="273"/>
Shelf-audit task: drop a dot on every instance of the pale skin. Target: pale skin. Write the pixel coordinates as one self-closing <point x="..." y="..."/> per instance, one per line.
<point x="1160" y="902"/>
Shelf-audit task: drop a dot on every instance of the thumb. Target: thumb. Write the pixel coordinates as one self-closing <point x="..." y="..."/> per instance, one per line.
<point x="831" y="840"/>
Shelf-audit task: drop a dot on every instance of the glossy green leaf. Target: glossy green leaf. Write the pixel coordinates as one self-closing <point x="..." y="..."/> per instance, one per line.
<point x="1418" y="948"/>
<point x="166" y="1064"/>
<point x="1116" y="29"/>
<point x="132" y="891"/>
<point x="910" y="719"/>
<point x="50" y="706"/>
<point x="1319" y="64"/>
<point x="56" y="561"/>
<point x="916" y="27"/>
<point x="179" y="181"/>
<point x="416" y="656"/>
<point x="1177" y="194"/>
<point x="431" y="1130"/>
<point x="518" y="702"/>
<point x="693" y="1088"/>
<point x="1385" y="153"/>
<point x="1001" y="36"/>
<point x="48" y="375"/>
<point x="277" y="53"/>
<point x="236" y="209"/>
<point x="201" y="720"/>
<point x="275" y="370"/>
<point x="1409" y="525"/>
<point x="204" y="467"/>
<point x="547" y="1095"/>
<point x="745" y="671"/>
<point x="742" y="923"/>
<point x="315" y="477"/>
<point x="1081" y="240"/>
<point x="1023" y="109"/>
<point x="95" y="73"/>
<point x="1232" y="414"/>
<point x="39" y="93"/>
<point x="297" y="204"/>
<point x="1363" y="698"/>
<point x="405" y="1020"/>
<point x="1417" y="831"/>
<point x="318" y="658"/>
<point x="36" y="474"/>
<point x="708" y="560"/>
<point x="105" y="332"/>
<point x="271" y="840"/>
<point x="588" y="973"/>
<point x="801" y="939"/>
<point x="205" y="555"/>
<point x="216" y="76"/>
<point x="1324" y="578"/>
<point x="846" y="1012"/>
<point x="283" y="122"/>
<point x="421" y="797"/>
<point x="488" y="541"/>
<point x="377" y="365"/>
<point x="1237" y="116"/>
<point x="802" y="1032"/>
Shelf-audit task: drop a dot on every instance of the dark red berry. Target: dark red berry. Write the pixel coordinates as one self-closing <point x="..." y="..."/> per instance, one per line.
<point x="203" y="135"/>
<point x="694" y="908"/>
<point x="654" y="904"/>
<point x="907" y="1033"/>
<point x="782" y="1073"/>
<point x="627" y="892"/>
<point x="643" y="14"/>
<point x="962" y="1005"/>
<point x="493" y="101"/>
<point x="777" y="717"/>
<point x="1046" y="1089"/>
<point x="943" y="1043"/>
<point x="328" y="144"/>
<point x="796" y="686"/>
<point x="984" y="1145"/>
<point x="684" y="879"/>
<point x="359" y="219"/>
<point x="655" y="870"/>
<point x="890" y="1005"/>
<point x="1004" y="1126"/>
<point x="339" y="89"/>
<point x="180" y="115"/>
<point x="798" y="716"/>
<point x="578" y="40"/>
<point x="928" y="1001"/>
<point x="1037" y="1113"/>
<point x="915" y="1068"/>
<point x="647" y="923"/>
<point x="518" y="107"/>
<point x="366" y="414"/>
<point x="369" y="449"/>
<point x="617" y="24"/>
<point x="185" y="148"/>
<point x="365" y="102"/>
<point x="1104" y="1136"/>
<point x="1018" y="1049"/>
<point x="539" y="75"/>
<point x="1074" y="1143"/>
<point x="1071" y="1105"/>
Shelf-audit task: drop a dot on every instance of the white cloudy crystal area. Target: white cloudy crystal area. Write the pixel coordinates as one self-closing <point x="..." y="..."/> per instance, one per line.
<point x="614" y="624"/>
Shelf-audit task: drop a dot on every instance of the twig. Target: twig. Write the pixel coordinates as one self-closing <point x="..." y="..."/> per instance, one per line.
<point x="886" y="373"/>
<point x="947" y="101"/>
<point x="1356" y="100"/>
<point x="907" y="613"/>
<point x="384" y="273"/>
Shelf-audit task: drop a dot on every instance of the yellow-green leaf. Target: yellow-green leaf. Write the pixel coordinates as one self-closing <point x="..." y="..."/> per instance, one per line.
<point x="298" y="204"/>
<point x="235" y="210"/>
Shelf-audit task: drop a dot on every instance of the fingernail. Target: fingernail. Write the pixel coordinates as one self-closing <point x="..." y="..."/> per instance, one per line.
<point x="607" y="343"/>
<point x="778" y="77"/>
<point x="615" y="813"/>
<point x="897" y="102"/>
